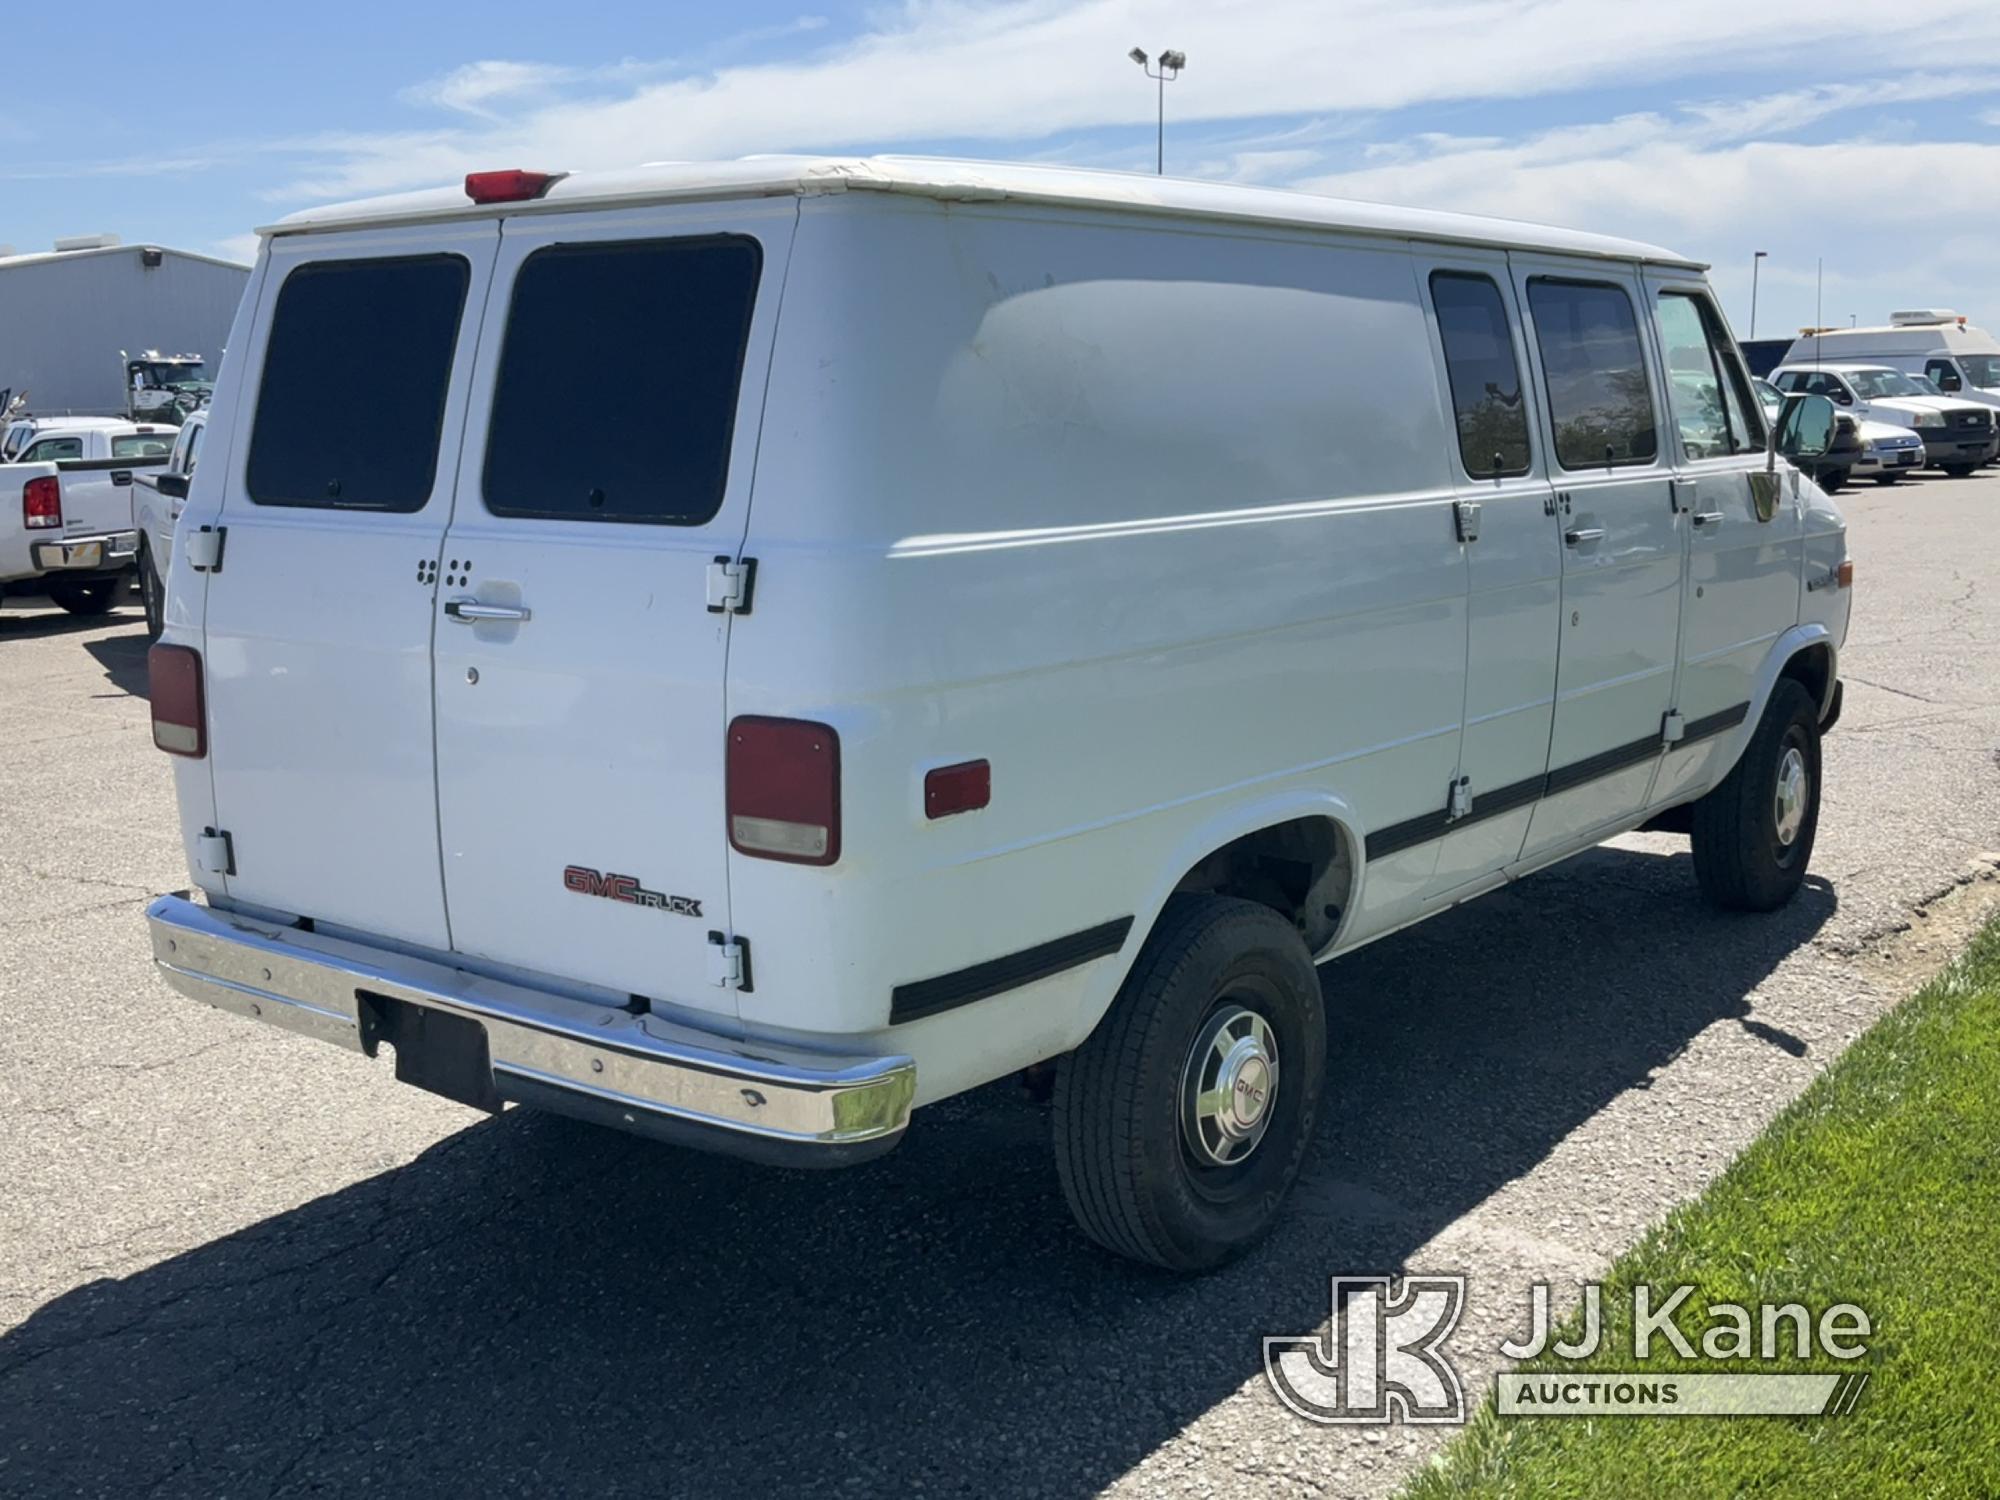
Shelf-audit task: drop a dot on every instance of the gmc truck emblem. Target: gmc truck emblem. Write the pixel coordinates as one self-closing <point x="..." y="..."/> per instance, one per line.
<point x="588" y="882"/>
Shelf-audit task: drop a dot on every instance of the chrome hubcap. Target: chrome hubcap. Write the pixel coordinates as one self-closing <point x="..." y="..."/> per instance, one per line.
<point x="1228" y="1086"/>
<point x="1790" y="802"/>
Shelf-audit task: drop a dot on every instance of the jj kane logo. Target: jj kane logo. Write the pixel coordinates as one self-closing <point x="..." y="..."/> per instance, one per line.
<point x="626" y="888"/>
<point x="1382" y="1357"/>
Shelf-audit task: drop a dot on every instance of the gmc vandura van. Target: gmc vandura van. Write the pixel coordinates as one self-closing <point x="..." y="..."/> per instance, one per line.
<point x="800" y="638"/>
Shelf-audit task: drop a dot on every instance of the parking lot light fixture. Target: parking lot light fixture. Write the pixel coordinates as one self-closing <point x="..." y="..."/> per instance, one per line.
<point x="1171" y="63"/>
<point x="1756" y="264"/>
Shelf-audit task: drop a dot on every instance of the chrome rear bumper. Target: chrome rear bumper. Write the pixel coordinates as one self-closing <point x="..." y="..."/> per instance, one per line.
<point x="773" y="1103"/>
<point x="114" y="549"/>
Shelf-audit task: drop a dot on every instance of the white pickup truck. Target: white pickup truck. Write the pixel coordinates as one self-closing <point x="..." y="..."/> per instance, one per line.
<point x="157" y="501"/>
<point x="66" y="527"/>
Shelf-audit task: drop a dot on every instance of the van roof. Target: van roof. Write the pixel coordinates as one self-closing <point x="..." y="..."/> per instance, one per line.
<point x="982" y="181"/>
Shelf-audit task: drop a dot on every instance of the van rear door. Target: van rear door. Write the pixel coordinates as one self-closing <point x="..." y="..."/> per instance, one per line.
<point x="579" y="666"/>
<point x="318" y="639"/>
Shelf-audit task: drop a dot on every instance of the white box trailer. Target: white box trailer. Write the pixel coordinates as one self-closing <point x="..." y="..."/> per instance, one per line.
<point x="67" y="317"/>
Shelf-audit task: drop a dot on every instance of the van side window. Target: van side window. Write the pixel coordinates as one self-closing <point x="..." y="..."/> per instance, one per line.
<point x="355" y="371"/>
<point x="1706" y="388"/>
<point x="1485" y="375"/>
<point x="1600" y="400"/>
<point x="1945" y="373"/>
<point x="632" y="353"/>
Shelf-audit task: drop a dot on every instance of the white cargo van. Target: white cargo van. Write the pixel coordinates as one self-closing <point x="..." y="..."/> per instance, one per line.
<point x="800" y="638"/>
<point x="1936" y="343"/>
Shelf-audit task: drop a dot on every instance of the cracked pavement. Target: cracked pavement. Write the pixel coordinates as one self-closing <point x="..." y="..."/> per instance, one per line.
<point x="236" y="1261"/>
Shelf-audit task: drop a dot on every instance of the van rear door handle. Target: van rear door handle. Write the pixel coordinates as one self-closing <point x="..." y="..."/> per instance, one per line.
<point x="1708" y="518"/>
<point x="472" y="612"/>
<point x="1585" y="534"/>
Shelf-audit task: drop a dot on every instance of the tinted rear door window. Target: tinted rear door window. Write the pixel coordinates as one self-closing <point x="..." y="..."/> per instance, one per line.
<point x="1485" y="376"/>
<point x="616" y="394"/>
<point x="1599" y="398"/>
<point x="355" y="375"/>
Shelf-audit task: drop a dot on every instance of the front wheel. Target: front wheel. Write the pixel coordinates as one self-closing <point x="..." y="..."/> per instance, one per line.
<point x="1959" y="471"/>
<point x="1753" y="834"/>
<point x="1181" y="1122"/>
<point x="1886" y="480"/>
<point x="92" y="597"/>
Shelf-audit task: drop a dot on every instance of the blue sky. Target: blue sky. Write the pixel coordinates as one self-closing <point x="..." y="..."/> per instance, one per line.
<point x="1864" y="133"/>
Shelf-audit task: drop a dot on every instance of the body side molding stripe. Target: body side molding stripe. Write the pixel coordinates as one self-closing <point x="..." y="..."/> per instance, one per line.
<point x="1411" y="832"/>
<point x="927" y="997"/>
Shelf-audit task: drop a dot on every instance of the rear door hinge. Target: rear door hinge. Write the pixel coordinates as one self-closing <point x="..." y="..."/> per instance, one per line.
<point x="1673" y="728"/>
<point x="730" y="585"/>
<point x="203" y="546"/>
<point x="729" y="962"/>
<point x="1460" y="804"/>
<point x="1465" y="519"/>
<point x="215" y="852"/>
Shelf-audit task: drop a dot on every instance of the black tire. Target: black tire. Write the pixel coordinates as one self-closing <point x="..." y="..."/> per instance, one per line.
<point x="1959" y="471"/>
<point x="152" y="593"/>
<point x="93" y="596"/>
<point x="1136" y="1182"/>
<point x="1742" y="858"/>
<point x="1885" y="480"/>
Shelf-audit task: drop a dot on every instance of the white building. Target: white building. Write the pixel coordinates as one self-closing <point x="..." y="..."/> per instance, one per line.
<point x="66" y="313"/>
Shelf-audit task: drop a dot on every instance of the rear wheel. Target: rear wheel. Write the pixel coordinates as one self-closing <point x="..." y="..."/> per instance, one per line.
<point x="93" y="596"/>
<point x="1960" y="471"/>
<point x="1832" y="480"/>
<point x="1888" y="479"/>
<point x="1181" y="1123"/>
<point x="1753" y="834"/>
<point x="152" y="592"/>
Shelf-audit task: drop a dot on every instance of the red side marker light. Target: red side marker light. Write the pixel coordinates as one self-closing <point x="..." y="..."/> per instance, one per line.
<point x="965" y="787"/>
<point x="1844" y="575"/>
<point x="514" y="185"/>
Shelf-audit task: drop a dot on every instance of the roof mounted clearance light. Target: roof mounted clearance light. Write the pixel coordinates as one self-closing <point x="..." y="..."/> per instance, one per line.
<point x="514" y="185"/>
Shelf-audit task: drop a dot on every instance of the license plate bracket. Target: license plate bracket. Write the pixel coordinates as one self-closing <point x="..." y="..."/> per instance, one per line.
<point x="435" y="1050"/>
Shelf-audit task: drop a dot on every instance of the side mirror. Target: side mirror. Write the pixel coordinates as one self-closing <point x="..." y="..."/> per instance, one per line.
<point x="1949" y="382"/>
<point x="1806" y="429"/>
<point x="1843" y="398"/>
<point x="173" y="486"/>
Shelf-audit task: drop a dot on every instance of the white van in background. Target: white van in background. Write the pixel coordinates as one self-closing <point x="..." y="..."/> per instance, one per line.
<point x="1962" y="360"/>
<point x="973" y="616"/>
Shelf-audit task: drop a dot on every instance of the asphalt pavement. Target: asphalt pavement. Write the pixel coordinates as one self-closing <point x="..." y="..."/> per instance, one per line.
<point x="238" y="1262"/>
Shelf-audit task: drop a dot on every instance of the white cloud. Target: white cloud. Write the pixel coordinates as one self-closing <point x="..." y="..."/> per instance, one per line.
<point x="474" y="88"/>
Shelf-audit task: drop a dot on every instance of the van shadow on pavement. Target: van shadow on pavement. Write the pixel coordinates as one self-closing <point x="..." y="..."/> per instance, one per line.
<point x="539" y="1305"/>
<point x="123" y="658"/>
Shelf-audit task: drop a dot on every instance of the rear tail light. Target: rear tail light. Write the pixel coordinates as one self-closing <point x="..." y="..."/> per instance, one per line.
<point x="784" y="790"/>
<point x="180" y="718"/>
<point x="41" y="503"/>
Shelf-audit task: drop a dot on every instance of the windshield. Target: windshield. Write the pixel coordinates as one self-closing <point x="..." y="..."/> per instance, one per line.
<point x="175" y="375"/>
<point x="1983" y="370"/>
<point x="1873" y="383"/>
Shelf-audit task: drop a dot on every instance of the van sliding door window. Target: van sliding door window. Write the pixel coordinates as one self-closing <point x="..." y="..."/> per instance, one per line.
<point x="1485" y="375"/>
<point x="1706" y="387"/>
<point x="631" y="355"/>
<point x="355" y="374"/>
<point x="1600" y="401"/>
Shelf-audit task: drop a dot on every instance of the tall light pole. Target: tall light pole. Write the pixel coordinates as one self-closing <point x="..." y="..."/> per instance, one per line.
<point x="1171" y="64"/>
<point x="1756" y="264"/>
